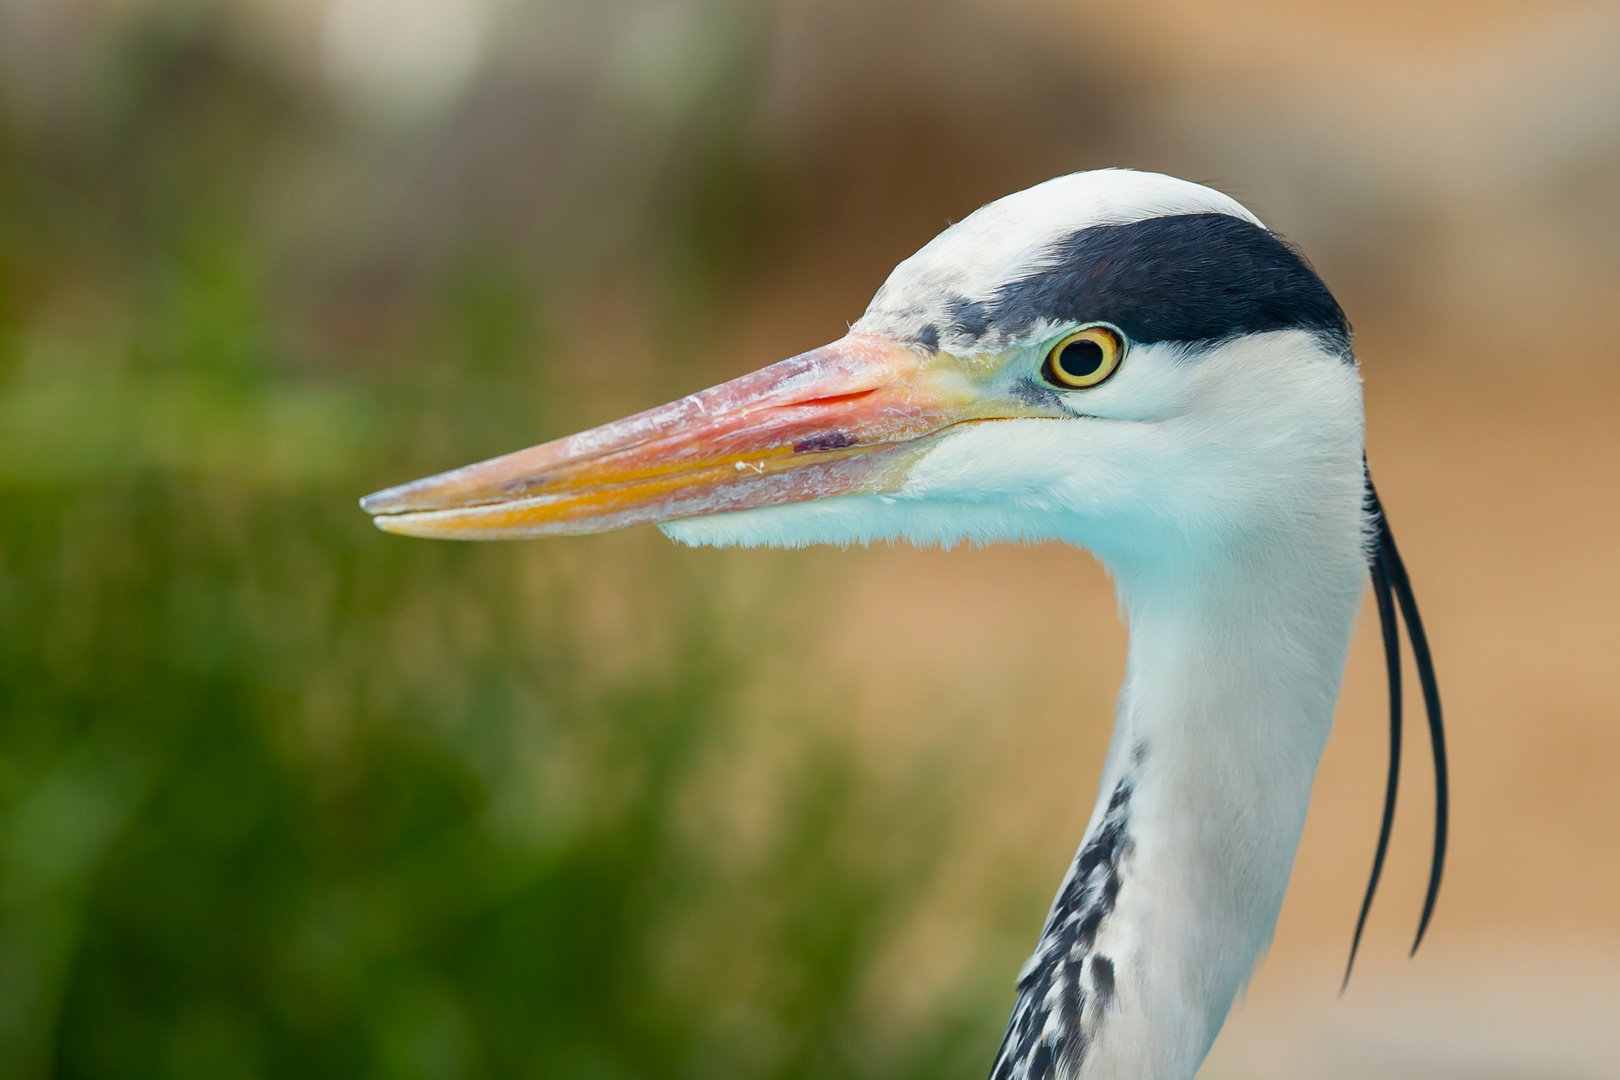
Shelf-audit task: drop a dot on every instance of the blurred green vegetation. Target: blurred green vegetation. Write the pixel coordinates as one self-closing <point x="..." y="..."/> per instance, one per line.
<point x="283" y="796"/>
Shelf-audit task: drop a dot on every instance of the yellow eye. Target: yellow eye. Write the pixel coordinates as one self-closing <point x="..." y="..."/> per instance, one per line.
<point x="1085" y="358"/>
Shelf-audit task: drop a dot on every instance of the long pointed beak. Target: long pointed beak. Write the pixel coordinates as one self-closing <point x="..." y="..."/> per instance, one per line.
<point x="849" y="417"/>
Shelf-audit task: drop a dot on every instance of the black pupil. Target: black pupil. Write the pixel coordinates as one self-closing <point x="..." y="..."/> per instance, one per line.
<point x="1081" y="359"/>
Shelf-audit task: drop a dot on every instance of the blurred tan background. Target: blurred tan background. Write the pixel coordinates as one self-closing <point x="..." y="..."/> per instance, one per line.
<point x="1452" y="169"/>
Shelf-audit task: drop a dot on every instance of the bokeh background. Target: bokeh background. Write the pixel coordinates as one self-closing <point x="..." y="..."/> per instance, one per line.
<point x="283" y="796"/>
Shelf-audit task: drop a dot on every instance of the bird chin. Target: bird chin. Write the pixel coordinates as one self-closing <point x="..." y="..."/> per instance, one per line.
<point x="847" y="520"/>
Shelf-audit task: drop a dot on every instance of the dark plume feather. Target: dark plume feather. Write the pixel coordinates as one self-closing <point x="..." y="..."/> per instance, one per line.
<point x="1392" y="588"/>
<point x="1390" y="625"/>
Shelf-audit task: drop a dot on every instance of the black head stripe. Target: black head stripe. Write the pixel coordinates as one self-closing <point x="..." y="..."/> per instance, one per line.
<point x="1188" y="277"/>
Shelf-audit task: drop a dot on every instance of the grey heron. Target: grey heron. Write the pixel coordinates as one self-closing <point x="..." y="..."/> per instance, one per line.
<point x="1134" y="365"/>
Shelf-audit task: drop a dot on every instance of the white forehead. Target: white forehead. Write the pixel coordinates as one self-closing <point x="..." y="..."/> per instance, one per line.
<point x="1007" y="239"/>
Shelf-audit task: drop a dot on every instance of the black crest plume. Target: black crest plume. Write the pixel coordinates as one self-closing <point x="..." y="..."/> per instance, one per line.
<point x="1393" y="590"/>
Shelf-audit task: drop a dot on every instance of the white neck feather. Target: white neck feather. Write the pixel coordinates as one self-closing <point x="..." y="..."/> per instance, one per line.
<point x="1174" y="894"/>
<point x="1227" y="704"/>
<point x="1235" y="662"/>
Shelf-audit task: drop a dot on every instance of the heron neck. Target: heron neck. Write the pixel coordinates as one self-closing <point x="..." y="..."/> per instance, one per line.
<point x="1228" y="700"/>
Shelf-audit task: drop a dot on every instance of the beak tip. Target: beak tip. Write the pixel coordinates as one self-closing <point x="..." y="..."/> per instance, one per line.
<point x="381" y="502"/>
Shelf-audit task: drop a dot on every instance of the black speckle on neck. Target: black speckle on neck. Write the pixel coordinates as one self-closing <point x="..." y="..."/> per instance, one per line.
<point x="1051" y="1028"/>
<point x="1102" y="979"/>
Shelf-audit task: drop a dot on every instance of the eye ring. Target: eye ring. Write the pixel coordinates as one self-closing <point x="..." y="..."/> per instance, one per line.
<point x="1085" y="358"/>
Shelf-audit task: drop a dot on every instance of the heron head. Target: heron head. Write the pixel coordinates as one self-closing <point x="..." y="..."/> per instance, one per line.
<point x="1110" y="358"/>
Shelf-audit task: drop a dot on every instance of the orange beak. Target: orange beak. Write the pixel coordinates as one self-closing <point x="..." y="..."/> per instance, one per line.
<point x="850" y="417"/>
